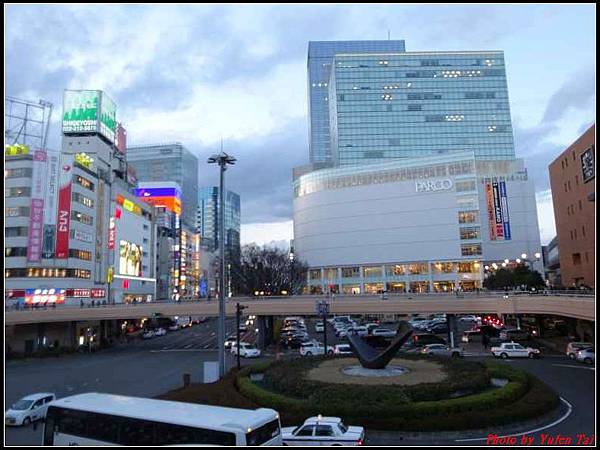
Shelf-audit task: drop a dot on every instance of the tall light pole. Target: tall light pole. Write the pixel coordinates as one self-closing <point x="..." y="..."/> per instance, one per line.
<point x="222" y="159"/>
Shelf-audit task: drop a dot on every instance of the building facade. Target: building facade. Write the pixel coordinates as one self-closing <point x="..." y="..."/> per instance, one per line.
<point x="551" y="256"/>
<point x="320" y="59"/>
<point x="208" y="220"/>
<point x="405" y="105"/>
<point x="169" y="163"/>
<point x="572" y="180"/>
<point x="431" y="224"/>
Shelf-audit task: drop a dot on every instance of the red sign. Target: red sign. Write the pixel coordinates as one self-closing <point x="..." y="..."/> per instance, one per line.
<point x="64" y="208"/>
<point x="121" y="141"/>
<point x="86" y="293"/>
<point x="111" y="233"/>
<point x="125" y="284"/>
<point x="97" y="293"/>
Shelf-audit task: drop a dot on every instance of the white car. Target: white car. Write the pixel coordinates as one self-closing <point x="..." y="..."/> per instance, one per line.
<point x="229" y="342"/>
<point x="243" y="327"/>
<point x="360" y="330"/>
<point x="514" y="350"/>
<point x="468" y="319"/>
<point x="586" y="355"/>
<point x="442" y="350"/>
<point x="246" y="350"/>
<point x="343" y="350"/>
<point x="323" y="431"/>
<point x="384" y="332"/>
<point x="160" y="332"/>
<point x="148" y="334"/>
<point x="319" y="327"/>
<point x="173" y="327"/>
<point x="314" y="348"/>
<point x="29" y="409"/>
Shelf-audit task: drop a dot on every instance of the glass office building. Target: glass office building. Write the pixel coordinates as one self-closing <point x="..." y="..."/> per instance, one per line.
<point x="412" y="104"/>
<point x="169" y="162"/>
<point x="208" y="220"/>
<point x="320" y="58"/>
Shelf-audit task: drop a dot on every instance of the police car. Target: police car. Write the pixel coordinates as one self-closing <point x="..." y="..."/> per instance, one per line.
<point x="321" y="430"/>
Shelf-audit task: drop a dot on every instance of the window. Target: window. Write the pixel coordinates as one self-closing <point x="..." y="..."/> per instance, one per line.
<point x="470" y="233"/>
<point x="576" y="259"/>
<point x="443" y="267"/>
<point x="396" y="269"/>
<point x="580" y="205"/>
<point x="80" y="254"/>
<point x="470" y="249"/>
<point x="262" y="434"/>
<point x="79" y="198"/>
<point x="468" y="217"/>
<point x="465" y="186"/>
<point x="577" y="180"/>
<point x="468" y="267"/>
<point x="418" y="268"/>
<point x="324" y="430"/>
<point x="350" y="272"/>
<point x="315" y="274"/>
<point x="19" y="211"/>
<point x="15" y="251"/>
<point x="373" y="271"/>
<point x="84" y="182"/>
<point x="17" y="192"/>
<point x="306" y="431"/>
<point x="583" y="231"/>
<point x="82" y="218"/>
<point x="16" y="231"/>
<point x="330" y="274"/>
<point x="21" y="172"/>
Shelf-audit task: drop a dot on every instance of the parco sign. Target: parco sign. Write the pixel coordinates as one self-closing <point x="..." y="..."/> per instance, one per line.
<point x="433" y="185"/>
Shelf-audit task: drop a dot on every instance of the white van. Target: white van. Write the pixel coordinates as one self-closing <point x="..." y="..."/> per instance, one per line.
<point x="29" y="409"/>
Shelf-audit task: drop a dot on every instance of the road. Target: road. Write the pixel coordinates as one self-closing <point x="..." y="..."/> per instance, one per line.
<point x="152" y="367"/>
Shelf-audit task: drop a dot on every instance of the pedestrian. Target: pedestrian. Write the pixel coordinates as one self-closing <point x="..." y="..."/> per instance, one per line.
<point x="81" y="303"/>
<point x="92" y="303"/>
<point x="485" y="341"/>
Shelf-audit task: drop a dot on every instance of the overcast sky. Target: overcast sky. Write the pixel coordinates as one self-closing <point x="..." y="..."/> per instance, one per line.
<point x="197" y="73"/>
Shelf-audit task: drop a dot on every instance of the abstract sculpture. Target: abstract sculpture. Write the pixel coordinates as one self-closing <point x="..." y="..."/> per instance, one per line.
<point x="369" y="357"/>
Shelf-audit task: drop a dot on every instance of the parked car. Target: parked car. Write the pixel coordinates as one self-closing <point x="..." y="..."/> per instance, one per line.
<point x="323" y="431"/>
<point x="243" y="327"/>
<point x="160" y="332"/>
<point x="416" y="321"/>
<point x="173" y="327"/>
<point x="360" y="330"/>
<point x="29" y="409"/>
<point x="586" y="355"/>
<point x="319" y="327"/>
<point x="343" y="349"/>
<point x="384" y="332"/>
<point x="148" y="334"/>
<point x="246" y="350"/>
<point x="423" y="339"/>
<point x="438" y="328"/>
<point x="229" y="342"/>
<point x="293" y="341"/>
<point x="574" y="347"/>
<point x="514" y="335"/>
<point x="314" y="348"/>
<point x="442" y="350"/>
<point x="514" y="350"/>
<point x="371" y="326"/>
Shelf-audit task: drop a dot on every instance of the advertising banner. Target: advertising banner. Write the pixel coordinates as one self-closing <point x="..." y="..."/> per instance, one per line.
<point x="49" y="230"/>
<point x="498" y="212"/>
<point x="80" y="112"/>
<point x="64" y="207"/>
<point x="490" y="207"/>
<point x="130" y="259"/>
<point x="504" y="205"/>
<point x="108" y="118"/>
<point x="111" y="233"/>
<point x="36" y="210"/>
<point x="43" y="296"/>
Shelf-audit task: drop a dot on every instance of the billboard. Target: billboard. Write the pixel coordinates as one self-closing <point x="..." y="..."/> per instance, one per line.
<point x="50" y="204"/>
<point x="44" y="296"/>
<point x="36" y="210"/>
<point x="64" y="206"/>
<point x="166" y="197"/>
<point x="497" y="205"/>
<point x="121" y="139"/>
<point x="130" y="259"/>
<point x="588" y="166"/>
<point x="89" y="111"/>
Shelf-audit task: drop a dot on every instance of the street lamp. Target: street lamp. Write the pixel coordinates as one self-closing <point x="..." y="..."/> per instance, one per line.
<point x="518" y="260"/>
<point x="222" y="159"/>
<point x="291" y="272"/>
<point x="523" y="255"/>
<point x="537" y="256"/>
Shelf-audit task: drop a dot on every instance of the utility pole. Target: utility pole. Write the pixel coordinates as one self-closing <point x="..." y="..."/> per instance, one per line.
<point x="222" y="159"/>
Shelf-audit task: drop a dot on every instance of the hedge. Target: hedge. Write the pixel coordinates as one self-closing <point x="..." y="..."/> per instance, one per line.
<point x="523" y="397"/>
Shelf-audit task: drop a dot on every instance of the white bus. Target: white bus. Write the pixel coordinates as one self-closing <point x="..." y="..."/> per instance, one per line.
<point x="106" y="419"/>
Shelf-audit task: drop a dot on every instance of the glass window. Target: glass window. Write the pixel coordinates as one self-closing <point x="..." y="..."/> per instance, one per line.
<point x="262" y="434"/>
<point x="16" y="231"/>
<point x="470" y="249"/>
<point x="324" y="430"/>
<point x="20" y="172"/>
<point x="468" y="217"/>
<point x="17" y="192"/>
<point x="350" y="272"/>
<point x="306" y="431"/>
<point x="331" y="273"/>
<point x="468" y="267"/>
<point x="466" y="186"/>
<point x="84" y="182"/>
<point x="19" y="211"/>
<point x="396" y="269"/>
<point x="315" y="274"/>
<point x="418" y="268"/>
<point x="444" y="267"/>
<point x="470" y="233"/>
<point x="372" y="271"/>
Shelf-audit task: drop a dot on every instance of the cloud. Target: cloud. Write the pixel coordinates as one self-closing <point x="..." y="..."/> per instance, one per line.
<point x="578" y="92"/>
<point x="545" y="212"/>
<point x="274" y="233"/>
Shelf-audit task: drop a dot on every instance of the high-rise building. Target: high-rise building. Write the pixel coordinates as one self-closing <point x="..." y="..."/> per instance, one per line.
<point x="169" y="163"/>
<point x="320" y="59"/>
<point x="572" y="177"/>
<point x="208" y="220"/>
<point x="404" y="105"/>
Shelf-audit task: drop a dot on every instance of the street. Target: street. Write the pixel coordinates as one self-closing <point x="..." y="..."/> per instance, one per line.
<point x="148" y="368"/>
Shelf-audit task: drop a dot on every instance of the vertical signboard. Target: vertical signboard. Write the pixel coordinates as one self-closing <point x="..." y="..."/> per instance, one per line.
<point x="498" y="212"/>
<point x="99" y="229"/>
<point x="49" y="230"/>
<point x="111" y="233"/>
<point x="108" y="118"/>
<point x="504" y="205"/>
<point x="36" y="214"/>
<point x="63" y="217"/>
<point x="121" y="139"/>
<point x="490" y="207"/>
<point x="80" y="112"/>
<point x="588" y="166"/>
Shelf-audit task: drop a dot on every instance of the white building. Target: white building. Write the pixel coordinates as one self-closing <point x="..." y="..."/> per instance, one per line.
<point x="418" y="225"/>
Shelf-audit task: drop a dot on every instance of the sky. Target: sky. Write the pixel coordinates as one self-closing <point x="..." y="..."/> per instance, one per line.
<point x="198" y="73"/>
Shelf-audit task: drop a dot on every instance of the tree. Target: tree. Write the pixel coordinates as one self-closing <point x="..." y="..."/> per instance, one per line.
<point x="510" y="278"/>
<point x="268" y="270"/>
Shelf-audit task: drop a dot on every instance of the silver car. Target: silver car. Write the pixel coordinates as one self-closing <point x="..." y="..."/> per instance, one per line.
<point x="586" y="355"/>
<point x="442" y="350"/>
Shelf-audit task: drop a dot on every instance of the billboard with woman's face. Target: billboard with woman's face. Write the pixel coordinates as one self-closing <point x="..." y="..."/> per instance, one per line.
<point x="130" y="259"/>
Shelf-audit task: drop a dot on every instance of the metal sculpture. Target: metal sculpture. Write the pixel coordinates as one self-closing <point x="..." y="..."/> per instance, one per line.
<point x="369" y="357"/>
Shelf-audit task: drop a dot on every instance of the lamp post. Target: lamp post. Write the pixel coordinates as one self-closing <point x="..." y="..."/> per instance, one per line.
<point x="291" y="272"/>
<point x="222" y="159"/>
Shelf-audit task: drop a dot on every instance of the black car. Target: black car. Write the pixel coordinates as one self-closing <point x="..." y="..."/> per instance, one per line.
<point x="293" y="342"/>
<point x="423" y="339"/>
<point x="438" y="328"/>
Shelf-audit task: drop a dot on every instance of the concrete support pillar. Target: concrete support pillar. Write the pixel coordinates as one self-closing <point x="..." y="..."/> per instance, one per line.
<point x="265" y="332"/>
<point x="41" y="331"/>
<point x="72" y="333"/>
<point x="452" y="330"/>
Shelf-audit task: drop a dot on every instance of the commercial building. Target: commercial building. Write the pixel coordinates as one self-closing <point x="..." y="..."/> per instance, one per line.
<point x="208" y="220"/>
<point x="320" y="59"/>
<point x="572" y="180"/>
<point x="169" y="163"/>
<point x="551" y="256"/>
<point x="422" y="191"/>
<point x="413" y="104"/>
<point x="431" y="224"/>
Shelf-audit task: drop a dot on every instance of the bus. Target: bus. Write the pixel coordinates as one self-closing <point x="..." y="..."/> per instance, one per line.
<point x="107" y="419"/>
